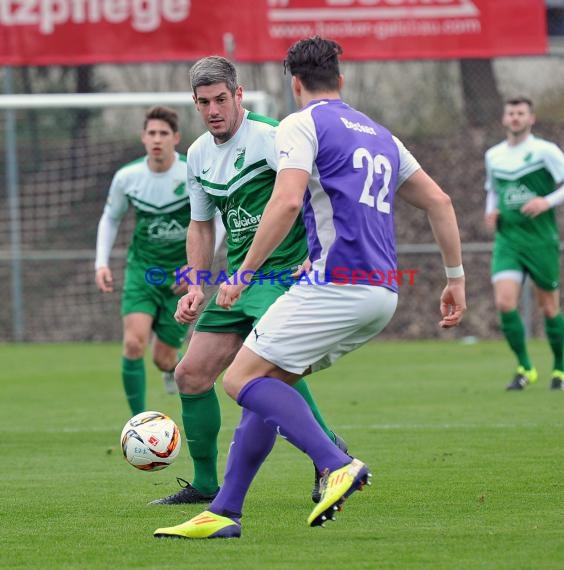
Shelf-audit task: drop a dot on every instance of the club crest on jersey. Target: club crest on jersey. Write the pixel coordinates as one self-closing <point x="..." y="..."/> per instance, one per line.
<point x="179" y="190"/>
<point x="239" y="158"/>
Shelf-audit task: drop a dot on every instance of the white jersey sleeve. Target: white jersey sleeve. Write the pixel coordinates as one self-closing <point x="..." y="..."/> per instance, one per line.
<point x="202" y="207"/>
<point x="114" y="210"/>
<point x="488" y="184"/>
<point x="556" y="198"/>
<point x="117" y="202"/>
<point x="270" y="151"/>
<point x="554" y="160"/>
<point x="107" y="232"/>
<point x="408" y="165"/>
<point x="492" y="201"/>
<point x="296" y="142"/>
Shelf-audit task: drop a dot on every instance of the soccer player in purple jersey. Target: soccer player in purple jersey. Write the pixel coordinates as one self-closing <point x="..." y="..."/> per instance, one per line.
<point x="343" y="170"/>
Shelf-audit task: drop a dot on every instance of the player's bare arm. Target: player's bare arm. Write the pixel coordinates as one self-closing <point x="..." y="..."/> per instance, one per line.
<point x="104" y="280"/>
<point x="490" y="220"/>
<point x="491" y="215"/>
<point x="303" y="268"/>
<point x="200" y="243"/>
<point x="421" y="191"/>
<point x="535" y="207"/>
<point x="453" y="303"/>
<point x="277" y="219"/>
<point x="182" y="287"/>
<point x="107" y="231"/>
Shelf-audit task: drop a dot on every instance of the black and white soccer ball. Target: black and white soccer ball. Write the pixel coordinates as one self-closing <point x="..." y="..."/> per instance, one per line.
<point x="150" y="441"/>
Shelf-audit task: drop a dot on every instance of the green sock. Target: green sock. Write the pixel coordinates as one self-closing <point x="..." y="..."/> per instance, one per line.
<point x="133" y="377"/>
<point x="302" y="387"/>
<point x="514" y="331"/>
<point x="202" y="420"/>
<point x="554" y="328"/>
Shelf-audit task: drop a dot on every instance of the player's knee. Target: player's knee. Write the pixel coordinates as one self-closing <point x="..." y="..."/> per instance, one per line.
<point x="548" y="303"/>
<point x="180" y="373"/>
<point x="189" y="381"/>
<point x="133" y="347"/>
<point x="165" y="362"/>
<point x="231" y="383"/>
<point x="504" y="304"/>
<point x="549" y="309"/>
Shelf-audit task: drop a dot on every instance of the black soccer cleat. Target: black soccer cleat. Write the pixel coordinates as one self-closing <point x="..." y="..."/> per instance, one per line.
<point x="186" y="496"/>
<point x="522" y="379"/>
<point x="518" y="383"/>
<point x="557" y="383"/>
<point x="315" y="492"/>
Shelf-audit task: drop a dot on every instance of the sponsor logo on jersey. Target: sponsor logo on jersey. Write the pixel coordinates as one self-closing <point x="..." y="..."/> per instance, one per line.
<point x="285" y="153"/>
<point x="528" y="157"/>
<point x="516" y="196"/>
<point x="257" y="334"/>
<point x="166" y="230"/>
<point x="239" y="158"/>
<point x="240" y="223"/>
<point x="359" y="127"/>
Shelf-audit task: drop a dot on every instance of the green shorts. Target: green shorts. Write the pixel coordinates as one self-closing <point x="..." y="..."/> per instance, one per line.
<point x="244" y="314"/>
<point x="541" y="262"/>
<point x="139" y="296"/>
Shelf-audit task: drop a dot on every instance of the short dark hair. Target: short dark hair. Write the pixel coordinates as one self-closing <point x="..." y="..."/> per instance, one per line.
<point x="211" y="70"/>
<point x="519" y="100"/>
<point x="315" y="61"/>
<point x="165" y="114"/>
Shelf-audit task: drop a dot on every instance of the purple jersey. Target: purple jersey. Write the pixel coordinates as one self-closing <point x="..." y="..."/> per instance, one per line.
<point x="355" y="167"/>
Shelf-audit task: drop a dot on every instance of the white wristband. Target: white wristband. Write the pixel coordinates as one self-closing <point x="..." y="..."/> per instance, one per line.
<point x="454" y="272"/>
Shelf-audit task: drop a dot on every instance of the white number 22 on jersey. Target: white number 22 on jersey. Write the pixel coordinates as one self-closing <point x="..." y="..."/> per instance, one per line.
<point x="378" y="164"/>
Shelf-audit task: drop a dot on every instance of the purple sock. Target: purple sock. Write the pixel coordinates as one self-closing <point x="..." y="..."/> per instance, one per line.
<point x="287" y="412"/>
<point x="252" y="441"/>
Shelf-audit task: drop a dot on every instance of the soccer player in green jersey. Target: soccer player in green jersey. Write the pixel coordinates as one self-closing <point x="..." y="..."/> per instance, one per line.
<point x="155" y="185"/>
<point x="524" y="183"/>
<point x="232" y="167"/>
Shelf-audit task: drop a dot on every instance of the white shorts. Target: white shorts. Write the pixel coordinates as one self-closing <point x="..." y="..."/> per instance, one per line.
<point x="314" y="325"/>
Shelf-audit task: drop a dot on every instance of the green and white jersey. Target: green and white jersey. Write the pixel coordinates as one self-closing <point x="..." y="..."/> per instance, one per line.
<point x="162" y="211"/>
<point x="517" y="174"/>
<point x="237" y="177"/>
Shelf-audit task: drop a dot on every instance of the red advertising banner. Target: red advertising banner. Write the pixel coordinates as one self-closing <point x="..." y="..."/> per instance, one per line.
<point x="70" y="32"/>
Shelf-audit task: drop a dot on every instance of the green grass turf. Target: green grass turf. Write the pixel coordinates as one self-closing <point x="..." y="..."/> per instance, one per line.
<point x="466" y="475"/>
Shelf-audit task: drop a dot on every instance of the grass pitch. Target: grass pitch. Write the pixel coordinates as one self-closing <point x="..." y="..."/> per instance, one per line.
<point x="466" y="475"/>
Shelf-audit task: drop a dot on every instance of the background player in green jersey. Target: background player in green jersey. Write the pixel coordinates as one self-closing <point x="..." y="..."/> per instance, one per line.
<point x="232" y="167"/>
<point x="155" y="185"/>
<point x="524" y="182"/>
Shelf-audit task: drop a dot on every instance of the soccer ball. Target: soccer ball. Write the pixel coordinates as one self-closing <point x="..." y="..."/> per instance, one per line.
<point x="150" y="441"/>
